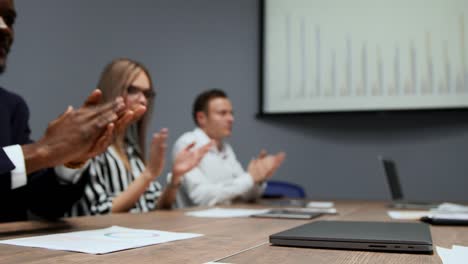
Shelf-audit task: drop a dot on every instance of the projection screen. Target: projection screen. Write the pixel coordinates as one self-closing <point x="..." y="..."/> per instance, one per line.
<point x="363" y="55"/>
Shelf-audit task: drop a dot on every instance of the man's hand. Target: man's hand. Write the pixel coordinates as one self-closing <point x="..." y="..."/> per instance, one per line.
<point x="274" y="161"/>
<point x="76" y="134"/>
<point x="127" y="118"/>
<point x="118" y="127"/>
<point x="263" y="153"/>
<point x="187" y="159"/>
<point x="265" y="165"/>
<point x="257" y="170"/>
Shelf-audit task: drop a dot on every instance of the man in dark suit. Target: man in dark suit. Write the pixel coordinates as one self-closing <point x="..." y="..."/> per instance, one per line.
<point x="27" y="181"/>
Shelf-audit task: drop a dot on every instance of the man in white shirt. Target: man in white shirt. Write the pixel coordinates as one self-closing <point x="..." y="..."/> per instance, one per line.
<point x="27" y="181"/>
<point x="219" y="178"/>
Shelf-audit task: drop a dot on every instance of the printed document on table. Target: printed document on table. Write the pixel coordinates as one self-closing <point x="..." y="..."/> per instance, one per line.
<point x="456" y="255"/>
<point x="322" y="204"/>
<point x="100" y="241"/>
<point x="407" y="215"/>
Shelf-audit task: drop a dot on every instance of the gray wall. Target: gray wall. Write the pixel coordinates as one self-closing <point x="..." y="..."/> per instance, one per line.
<point x="62" y="45"/>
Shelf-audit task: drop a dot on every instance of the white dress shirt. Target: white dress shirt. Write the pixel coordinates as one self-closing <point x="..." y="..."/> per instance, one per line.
<point x="18" y="175"/>
<point x="218" y="179"/>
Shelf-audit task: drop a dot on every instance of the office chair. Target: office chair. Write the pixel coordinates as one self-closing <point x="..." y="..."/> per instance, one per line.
<point x="281" y="189"/>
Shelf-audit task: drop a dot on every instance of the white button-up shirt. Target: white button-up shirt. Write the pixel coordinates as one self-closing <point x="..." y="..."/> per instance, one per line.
<point x="218" y="179"/>
<point x="18" y="174"/>
<point x="19" y="177"/>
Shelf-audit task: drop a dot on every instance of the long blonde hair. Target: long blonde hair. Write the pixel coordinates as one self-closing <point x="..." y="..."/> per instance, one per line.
<point x="115" y="80"/>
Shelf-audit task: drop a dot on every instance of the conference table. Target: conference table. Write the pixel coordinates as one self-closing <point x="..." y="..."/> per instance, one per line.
<point x="225" y="240"/>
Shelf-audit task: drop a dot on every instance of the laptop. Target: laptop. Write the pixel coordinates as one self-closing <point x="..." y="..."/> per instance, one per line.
<point x="289" y="213"/>
<point x="284" y="202"/>
<point x="368" y="236"/>
<point x="396" y="192"/>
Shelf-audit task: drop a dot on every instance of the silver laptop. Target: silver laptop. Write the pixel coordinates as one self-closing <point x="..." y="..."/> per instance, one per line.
<point x="289" y="213"/>
<point x="398" y="200"/>
<point x="369" y="236"/>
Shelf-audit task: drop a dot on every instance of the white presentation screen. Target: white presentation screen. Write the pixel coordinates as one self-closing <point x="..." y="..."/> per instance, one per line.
<point x="356" y="55"/>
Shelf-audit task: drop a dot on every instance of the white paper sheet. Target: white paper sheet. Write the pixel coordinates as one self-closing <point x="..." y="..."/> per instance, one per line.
<point x="450" y="211"/>
<point x="456" y="255"/>
<point x="407" y="215"/>
<point x="226" y="213"/>
<point x="100" y="241"/>
<point x="453" y="216"/>
<point x="450" y="208"/>
<point x="314" y="204"/>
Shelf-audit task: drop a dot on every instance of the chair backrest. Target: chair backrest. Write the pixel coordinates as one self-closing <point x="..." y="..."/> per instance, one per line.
<point x="278" y="189"/>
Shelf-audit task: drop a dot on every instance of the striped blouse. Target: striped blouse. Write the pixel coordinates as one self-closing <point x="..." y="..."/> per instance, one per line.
<point x="108" y="177"/>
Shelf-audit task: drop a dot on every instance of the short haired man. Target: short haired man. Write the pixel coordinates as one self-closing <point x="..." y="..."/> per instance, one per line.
<point x="219" y="178"/>
<point x="27" y="181"/>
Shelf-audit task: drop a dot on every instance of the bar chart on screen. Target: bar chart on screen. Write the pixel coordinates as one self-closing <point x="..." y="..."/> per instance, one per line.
<point x="365" y="55"/>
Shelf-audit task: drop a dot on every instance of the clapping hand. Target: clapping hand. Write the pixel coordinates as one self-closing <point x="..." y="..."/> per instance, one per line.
<point x="124" y="118"/>
<point x="265" y="165"/>
<point x="157" y="157"/>
<point x="78" y="134"/>
<point x="187" y="159"/>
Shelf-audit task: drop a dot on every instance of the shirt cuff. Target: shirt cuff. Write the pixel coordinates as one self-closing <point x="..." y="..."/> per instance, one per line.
<point x="18" y="175"/>
<point x="248" y="180"/>
<point x="68" y="175"/>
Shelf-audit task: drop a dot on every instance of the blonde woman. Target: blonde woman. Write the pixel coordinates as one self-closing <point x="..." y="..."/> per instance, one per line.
<point x="120" y="179"/>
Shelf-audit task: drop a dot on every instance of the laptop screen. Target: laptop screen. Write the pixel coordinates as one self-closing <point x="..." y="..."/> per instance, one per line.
<point x="392" y="178"/>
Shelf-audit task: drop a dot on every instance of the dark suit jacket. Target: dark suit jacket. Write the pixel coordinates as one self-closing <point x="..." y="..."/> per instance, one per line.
<point x="43" y="194"/>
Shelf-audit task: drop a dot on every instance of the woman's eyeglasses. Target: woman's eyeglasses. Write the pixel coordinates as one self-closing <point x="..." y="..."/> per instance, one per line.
<point x="133" y="90"/>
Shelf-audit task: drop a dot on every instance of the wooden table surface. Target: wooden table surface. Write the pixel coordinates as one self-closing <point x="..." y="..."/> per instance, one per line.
<point x="444" y="236"/>
<point x="232" y="240"/>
